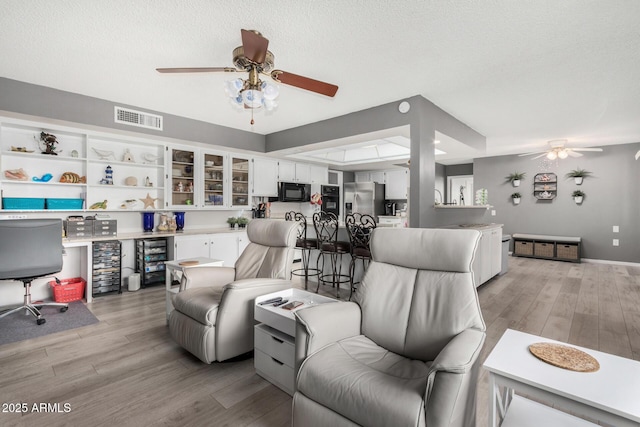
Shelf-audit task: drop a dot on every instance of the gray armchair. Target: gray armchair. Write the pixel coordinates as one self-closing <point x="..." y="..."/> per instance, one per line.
<point x="213" y="312"/>
<point x="405" y="353"/>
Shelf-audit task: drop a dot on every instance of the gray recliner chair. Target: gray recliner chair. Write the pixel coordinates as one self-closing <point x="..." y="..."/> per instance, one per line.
<point x="213" y="312"/>
<point x="405" y="353"/>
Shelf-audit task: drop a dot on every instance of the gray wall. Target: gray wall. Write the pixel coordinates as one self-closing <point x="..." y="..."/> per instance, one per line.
<point x="42" y="101"/>
<point x="612" y="198"/>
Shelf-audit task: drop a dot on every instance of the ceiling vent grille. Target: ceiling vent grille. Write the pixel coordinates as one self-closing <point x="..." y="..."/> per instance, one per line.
<point x="138" y="118"/>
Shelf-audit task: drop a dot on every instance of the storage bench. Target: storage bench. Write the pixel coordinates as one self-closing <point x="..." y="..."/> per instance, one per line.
<point x="561" y="248"/>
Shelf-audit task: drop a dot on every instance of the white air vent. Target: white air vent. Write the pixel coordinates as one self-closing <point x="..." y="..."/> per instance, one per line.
<point x="137" y="118"/>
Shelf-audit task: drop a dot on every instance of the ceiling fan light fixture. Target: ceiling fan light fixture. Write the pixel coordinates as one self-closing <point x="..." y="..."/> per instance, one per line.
<point x="252" y="98"/>
<point x="552" y="155"/>
<point x="270" y="91"/>
<point x="562" y="154"/>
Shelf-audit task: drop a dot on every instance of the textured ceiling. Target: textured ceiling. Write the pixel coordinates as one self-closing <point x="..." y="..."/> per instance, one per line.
<point x="519" y="72"/>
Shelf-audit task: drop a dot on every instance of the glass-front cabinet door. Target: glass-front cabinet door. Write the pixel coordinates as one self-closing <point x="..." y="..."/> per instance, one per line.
<point x="215" y="179"/>
<point x="240" y="182"/>
<point x="181" y="177"/>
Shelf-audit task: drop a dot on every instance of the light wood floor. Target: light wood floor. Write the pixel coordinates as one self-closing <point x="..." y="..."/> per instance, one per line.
<point x="127" y="371"/>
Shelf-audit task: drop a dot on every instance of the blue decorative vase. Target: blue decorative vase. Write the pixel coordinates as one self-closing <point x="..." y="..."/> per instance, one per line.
<point x="179" y="220"/>
<point x="147" y="221"/>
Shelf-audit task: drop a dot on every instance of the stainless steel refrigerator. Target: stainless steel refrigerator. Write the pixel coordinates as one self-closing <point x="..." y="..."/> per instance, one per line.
<point x="364" y="198"/>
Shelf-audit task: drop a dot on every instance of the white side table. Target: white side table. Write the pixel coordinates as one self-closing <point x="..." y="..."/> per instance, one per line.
<point x="610" y="395"/>
<point x="174" y="268"/>
<point x="274" y="337"/>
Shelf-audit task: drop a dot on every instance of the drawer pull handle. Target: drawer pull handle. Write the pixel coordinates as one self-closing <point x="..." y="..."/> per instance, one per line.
<point x="277" y="361"/>
<point x="277" y="339"/>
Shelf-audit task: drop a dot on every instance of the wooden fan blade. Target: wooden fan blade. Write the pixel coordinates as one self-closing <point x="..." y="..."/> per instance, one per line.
<point x="254" y="46"/>
<point x="312" y="85"/>
<point x="197" y="70"/>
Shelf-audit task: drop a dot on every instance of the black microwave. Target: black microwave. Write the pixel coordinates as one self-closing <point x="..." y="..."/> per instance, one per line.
<point x="294" y="192"/>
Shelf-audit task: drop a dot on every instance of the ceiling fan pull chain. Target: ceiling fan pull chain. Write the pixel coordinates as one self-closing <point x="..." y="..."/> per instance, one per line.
<point x="252" y="122"/>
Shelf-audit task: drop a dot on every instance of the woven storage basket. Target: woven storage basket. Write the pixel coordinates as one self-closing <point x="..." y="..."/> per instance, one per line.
<point x="544" y="249"/>
<point x="523" y="248"/>
<point x="567" y="251"/>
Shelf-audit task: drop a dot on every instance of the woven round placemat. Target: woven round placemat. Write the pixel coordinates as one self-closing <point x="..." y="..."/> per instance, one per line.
<point x="186" y="263"/>
<point x="564" y="357"/>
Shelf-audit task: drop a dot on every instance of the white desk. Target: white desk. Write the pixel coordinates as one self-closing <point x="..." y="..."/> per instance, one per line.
<point x="174" y="268"/>
<point x="610" y="395"/>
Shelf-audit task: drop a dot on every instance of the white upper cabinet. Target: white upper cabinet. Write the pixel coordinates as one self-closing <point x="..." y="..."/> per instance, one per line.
<point x="371" y="176"/>
<point x="363" y="176"/>
<point x="286" y="171"/>
<point x="184" y="186"/>
<point x="240" y="181"/>
<point x="265" y="177"/>
<point x="214" y="192"/>
<point x="379" y="176"/>
<point x="396" y="184"/>
<point x="303" y="173"/>
<point x="319" y="174"/>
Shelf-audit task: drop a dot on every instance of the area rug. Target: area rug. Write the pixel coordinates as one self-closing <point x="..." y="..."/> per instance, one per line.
<point x="19" y="326"/>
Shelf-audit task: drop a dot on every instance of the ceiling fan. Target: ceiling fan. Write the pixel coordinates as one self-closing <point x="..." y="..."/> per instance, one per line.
<point x="558" y="150"/>
<point x="254" y="58"/>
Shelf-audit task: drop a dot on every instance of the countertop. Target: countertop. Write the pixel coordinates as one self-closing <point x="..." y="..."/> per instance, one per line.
<point x="142" y="234"/>
<point x="473" y="226"/>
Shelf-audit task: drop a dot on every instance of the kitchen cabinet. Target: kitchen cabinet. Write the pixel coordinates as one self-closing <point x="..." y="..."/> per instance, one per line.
<point x="213" y="181"/>
<point x="181" y="178"/>
<point x="265" y="177"/>
<point x="304" y="173"/>
<point x="396" y="184"/>
<point x="240" y="180"/>
<point x="318" y="174"/>
<point x="371" y="176"/>
<point x="223" y="246"/>
<point x="488" y="260"/>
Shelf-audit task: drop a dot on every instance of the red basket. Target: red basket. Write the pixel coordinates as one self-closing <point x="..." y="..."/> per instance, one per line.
<point x="68" y="290"/>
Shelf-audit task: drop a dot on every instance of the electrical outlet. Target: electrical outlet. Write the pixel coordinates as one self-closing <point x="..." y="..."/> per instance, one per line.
<point x="493" y="212"/>
<point x="616" y="242"/>
<point x="616" y="229"/>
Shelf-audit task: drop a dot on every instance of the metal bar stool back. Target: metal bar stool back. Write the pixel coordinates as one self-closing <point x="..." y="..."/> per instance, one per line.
<point x="359" y="228"/>
<point x="326" y="226"/>
<point x="305" y="245"/>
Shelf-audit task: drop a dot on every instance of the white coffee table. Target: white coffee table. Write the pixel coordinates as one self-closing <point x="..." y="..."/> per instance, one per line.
<point x="274" y="338"/>
<point x="174" y="268"/>
<point x="610" y="395"/>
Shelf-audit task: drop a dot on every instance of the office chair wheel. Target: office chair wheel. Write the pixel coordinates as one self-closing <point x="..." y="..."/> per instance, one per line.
<point x="41" y="321"/>
<point x="63" y="309"/>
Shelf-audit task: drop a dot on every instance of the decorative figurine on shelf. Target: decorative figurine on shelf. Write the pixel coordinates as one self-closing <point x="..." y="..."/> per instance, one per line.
<point x="104" y="154"/>
<point x="147" y="182"/>
<point x="72" y="178"/>
<point x="149" y="158"/>
<point x="180" y="187"/>
<point x="190" y="187"/>
<point x="50" y="143"/>
<point x="108" y="176"/>
<point x="99" y="205"/>
<point x="149" y="202"/>
<point x="462" y="188"/>
<point x="45" y="178"/>
<point x="173" y="226"/>
<point x="16" y="174"/>
<point x="128" y="204"/>
<point x="164" y="224"/>
<point x="127" y="156"/>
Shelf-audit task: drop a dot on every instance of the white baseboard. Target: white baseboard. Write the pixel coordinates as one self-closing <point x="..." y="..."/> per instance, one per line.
<point x="608" y="261"/>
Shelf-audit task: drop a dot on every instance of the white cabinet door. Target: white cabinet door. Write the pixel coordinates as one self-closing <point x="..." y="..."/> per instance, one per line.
<point x="496" y="251"/>
<point x="224" y="246"/>
<point x="214" y="188"/>
<point x="319" y="174"/>
<point x="183" y="178"/>
<point x="240" y="182"/>
<point x="265" y="177"/>
<point x="286" y="171"/>
<point x="396" y="184"/>
<point x="303" y="173"/>
<point x="363" y="176"/>
<point x="192" y="246"/>
<point x="378" y="176"/>
<point x="243" y="242"/>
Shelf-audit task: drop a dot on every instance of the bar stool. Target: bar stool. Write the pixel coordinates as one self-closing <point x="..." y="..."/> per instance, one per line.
<point x="359" y="228"/>
<point x="305" y="245"/>
<point x="326" y="226"/>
